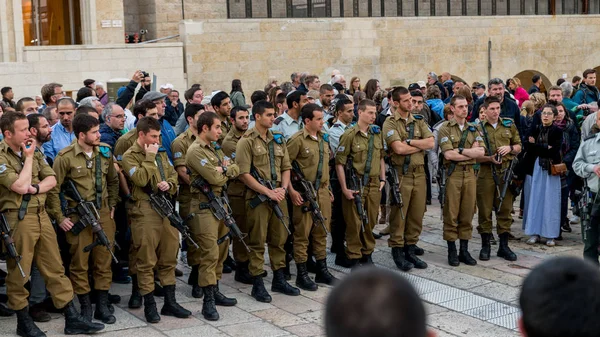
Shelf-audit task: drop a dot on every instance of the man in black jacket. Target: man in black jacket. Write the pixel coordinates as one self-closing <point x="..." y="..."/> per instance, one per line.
<point x="432" y="79"/>
<point x="508" y="107"/>
<point x="139" y="76"/>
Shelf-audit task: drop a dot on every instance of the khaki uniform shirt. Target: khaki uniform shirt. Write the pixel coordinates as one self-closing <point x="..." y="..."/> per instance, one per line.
<point x="179" y="148"/>
<point x="203" y="160"/>
<point x="450" y="135"/>
<point x="304" y="149"/>
<point x="141" y="169"/>
<point x="354" y="143"/>
<point x="11" y="165"/>
<point x="236" y="187"/>
<point x="225" y="127"/>
<point x="396" y="128"/>
<point x="125" y="142"/>
<point x="504" y="134"/>
<point x="72" y="163"/>
<point x="252" y="149"/>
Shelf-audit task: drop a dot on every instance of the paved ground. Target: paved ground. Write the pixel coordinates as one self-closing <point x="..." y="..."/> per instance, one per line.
<point x="462" y="301"/>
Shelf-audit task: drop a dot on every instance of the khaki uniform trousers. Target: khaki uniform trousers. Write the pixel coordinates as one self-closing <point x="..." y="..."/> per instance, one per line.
<point x="129" y="205"/>
<point x="101" y="258"/>
<point x="360" y="243"/>
<point x="185" y="202"/>
<point x="238" y="209"/>
<point x="305" y="229"/>
<point x="35" y="240"/>
<point x="157" y="245"/>
<point x="264" y="227"/>
<point x="487" y="198"/>
<point x="413" y="187"/>
<point x="206" y="230"/>
<point x="461" y="188"/>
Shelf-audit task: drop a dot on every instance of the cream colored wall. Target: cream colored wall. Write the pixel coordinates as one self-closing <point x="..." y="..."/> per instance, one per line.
<point x="394" y="50"/>
<point x="70" y="65"/>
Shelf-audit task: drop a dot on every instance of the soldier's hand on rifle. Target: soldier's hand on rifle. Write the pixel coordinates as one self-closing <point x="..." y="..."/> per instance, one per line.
<point x="349" y="194"/>
<point x="493" y="160"/>
<point x="163" y="186"/>
<point x="66" y="224"/>
<point x="112" y="212"/>
<point x="277" y="194"/>
<point x="381" y="185"/>
<point x="504" y="150"/>
<point x="296" y="198"/>
<point x="597" y="170"/>
<point x="152" y="148"/>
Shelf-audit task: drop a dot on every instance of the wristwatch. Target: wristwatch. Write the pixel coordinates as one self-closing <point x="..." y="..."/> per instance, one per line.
<point x="408" y="142"/>
<point x="460" y="150"/>
<point x="224" y="169"/>
<point x="37" y="188"/>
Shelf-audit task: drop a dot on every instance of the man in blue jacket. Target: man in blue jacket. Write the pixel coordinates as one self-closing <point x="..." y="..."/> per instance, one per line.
<point x="587" y="92"/>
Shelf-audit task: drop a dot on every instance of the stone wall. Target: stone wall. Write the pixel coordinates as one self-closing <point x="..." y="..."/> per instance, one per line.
<point x="70" y="65"/>
<point x="109" y="10"/>
<point x="394" y="50"/>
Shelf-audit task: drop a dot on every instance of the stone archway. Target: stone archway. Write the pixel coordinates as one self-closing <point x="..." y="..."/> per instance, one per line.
<point x="525" y="78"/>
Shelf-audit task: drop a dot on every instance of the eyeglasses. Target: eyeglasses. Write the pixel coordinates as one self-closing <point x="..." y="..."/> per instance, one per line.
<point x="119" y="116"/>
<point x="546" y="113"/>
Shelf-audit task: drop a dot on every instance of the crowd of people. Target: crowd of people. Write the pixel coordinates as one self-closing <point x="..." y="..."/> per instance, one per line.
<point x="164" y="176"/>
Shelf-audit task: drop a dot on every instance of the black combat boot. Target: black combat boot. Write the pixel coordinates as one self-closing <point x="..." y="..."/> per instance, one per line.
<point x="258" y="290"/>
<point x="85" y="304"/>
<point x="38" y="313"/>
<point x="366" y="260"/>
<point x="342" y="260"/>
<point x="452" y="255"/>
<point x="323" y="274"/>
<point x="311" y="265"/>
<point x="221" y="299"/>
<point x="25" y="325"/>
<point x="419" y="251"/>
<point x="280" y="285"/>
<point x="503" y="250"/>
<point x="193" y="281"/>
<point x="209" y="309"/>
<point x="410" y="256"/>
<point x="463" y="254"/>
<point x="171" y="307"/>
<point x="76" y="325"/>
<point x="159" y="290"/>
<point x="230" y="262"/>
<point x="150" y="311"/>
<point x="135" y="301"/>
<point x="5" y="312"/>
<point x="399" y="260"/>
<point x="303" y="281"/>
<point x="102" y="313"/>
<point x="484" y="253"/>
<point x="286" y="270"/>
<point x="242" y="274"/>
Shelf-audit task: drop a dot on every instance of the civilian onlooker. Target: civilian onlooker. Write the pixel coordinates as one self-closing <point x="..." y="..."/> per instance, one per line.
<point x="194" y="94"/>
<point x="341" y="80"/>
<point x="351" y="309"/>
<point x="7" y="96"/>
<point x="101" y="93"/>
<point x="84" y="92"/>
<point x="518" y="91"/>
<point x="432" y="79"/>
<point x="114" y="124"/>
<point x="541" y="217"/>
<point x="434" y="100"/>
<point x="567" y="92"/>
<point x="575" y="82"/>
<point x="302" y="85"/>
<point x="560" y="297"/>
<point x="295" y="80"/>
<point x="588" y="92"/>
<point x="87" y="110"/>
<point x="568" y="151"/>
<point x="312" y="82"/>
<point x="312" y="96"/>
<point x="536" y="81"/>
<point x="560" y="81"/>
<point x="27" y="106"/>
<point x="166" y="130"/>
<point x="38" y="100"/>
<point x="90" y="83"/>
<point x="280" y="104"/>
<point x="51" y="115"/>
<point x="371" y="88"/>
<point x="287" y="87"/>
<point x="237" y="94"/>
<point x="166" y="89"/>
<point x="62" y="132"/>
<point x="587" y="166"/>
<point x="478" y="91"/>
<point x="51" y="93"/>
<point x="508" y="107"/>
<point x="272" y="94"/>
<point x="174" y="108"/>
<point x="354" y="85"/>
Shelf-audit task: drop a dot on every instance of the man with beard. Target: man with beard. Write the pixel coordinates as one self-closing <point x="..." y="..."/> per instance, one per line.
<point x="326" y="94"/>
<point x="237" y="191"/>
<point x="62" y="132"/>
<point x="508" y="107"/>
<point x="89" y="165"/>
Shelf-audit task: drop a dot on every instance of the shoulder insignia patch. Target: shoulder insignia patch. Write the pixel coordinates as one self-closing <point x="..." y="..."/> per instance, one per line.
<point x="119" y="157"/>
<point x="336" y="125"/>
<point x="443" y="140"/>
<point x="472" y="128"/>
<point x="105" y="151"/>
<point x="278" y="120"/>
<point x="341" y="149"/>
<point x="390" y="133"/>
<point x="162" y="149"/>
<point x="2" y="168"/>
<point x="278" y="138"/>
<point x="418" y="117"/>
<point x="203" y="162"/>
<point x="132" y="171"/>
<point x="375" y="129"/>
<point x="507" y="122"/>
<point x="177" y="155"/>
<point x="326" y="137"/>
<point x="479" y="139"/>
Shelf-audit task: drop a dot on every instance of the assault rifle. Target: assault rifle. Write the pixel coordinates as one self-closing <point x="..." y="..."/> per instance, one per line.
<point x="354" y="183"/>
<point x="260" y="198"/>
<point x="9" y="243"/>
<point x="88" y="216"/>
<point x="442" y="177"/>
<point x="508" y="178"/>
<point x="164" y="207"/>
<point x="219" y="206"/>
<point x="391" y="175"/>
<point x="309" y="194"/>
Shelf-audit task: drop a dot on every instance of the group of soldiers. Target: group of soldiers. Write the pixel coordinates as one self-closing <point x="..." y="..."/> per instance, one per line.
<point x="273" y="183"/>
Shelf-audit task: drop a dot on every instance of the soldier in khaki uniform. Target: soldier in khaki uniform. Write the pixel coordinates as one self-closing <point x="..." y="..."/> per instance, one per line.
<point x="309" y="147"/>
<point x="240" y="117"/>
<point x="221" y="103"/>
<point x="501" y="137"/>
<point x="25" y="178"/>
<point x="206" y="161"/>
<point x="461" y="145"/>
<point x="265" y="151"/>
<point x="364" y="144"/>
<point x="154" y="239"/>
<point x="407" y="136"/>
<point x="89" y="164"/>
<point x="179" y="148"/>
<point x="140" y="109"/>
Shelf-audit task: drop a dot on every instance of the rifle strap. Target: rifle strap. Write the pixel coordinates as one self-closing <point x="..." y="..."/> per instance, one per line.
<point x="98" y="181"/>
<point x="411" y="134"/>
<point x="272" y="162"/>
<point x="486" y="139"/>
<point x="463" y="140"/>
<point x="369" y="159"/>
<point x="23" y="208"/>
<point x="161" y="169"/>
<point x="320" y="166"/>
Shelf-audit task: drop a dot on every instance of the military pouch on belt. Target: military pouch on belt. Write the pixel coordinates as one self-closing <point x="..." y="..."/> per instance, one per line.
<point x="77" y="228"/>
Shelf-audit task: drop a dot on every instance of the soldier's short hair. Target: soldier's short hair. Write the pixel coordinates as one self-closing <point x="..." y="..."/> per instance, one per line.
<point x="234" y="111"/>
<point x="341" y="104"/>
<point x="258" y="95"/>
<point x="362" y="106"/>
<point x="260" y="107"/>
<point x="489" y="100"/>
<point x="142" y="106"/>
<point x="82" y="122"/>
<point x="397" y="92"/>
<point x="294" y="97"/>
<point x="207" y="119"/>
<point x="7" y="122"/>
<point x="308" y="111"/>
<point x="218" y="98"/>
<point x="145" y="124"/>
<point x="456" y="98"/>
<point x="325" y="88"/>
<point x="192" y="109"/>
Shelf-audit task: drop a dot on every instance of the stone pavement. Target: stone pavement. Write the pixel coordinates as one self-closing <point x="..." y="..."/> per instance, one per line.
<point x="461" y="301"/>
